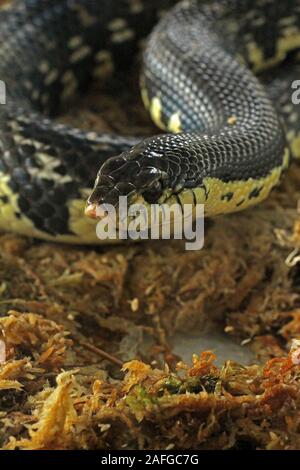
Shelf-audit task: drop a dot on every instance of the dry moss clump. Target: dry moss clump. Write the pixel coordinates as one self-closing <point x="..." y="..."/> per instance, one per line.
<point x="84" y="355"/>
<point x="199" y="406"/>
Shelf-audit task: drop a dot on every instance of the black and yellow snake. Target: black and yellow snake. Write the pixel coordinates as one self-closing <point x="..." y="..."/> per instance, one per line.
<point x="227" y="139"/>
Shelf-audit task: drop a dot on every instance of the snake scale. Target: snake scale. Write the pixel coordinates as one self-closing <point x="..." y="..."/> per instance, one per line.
<point x="227" y="136"/>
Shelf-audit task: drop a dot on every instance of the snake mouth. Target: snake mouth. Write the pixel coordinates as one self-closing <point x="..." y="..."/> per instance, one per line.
<point x="97" y="209"/>
<point x="103" y="199"/>
<point x="91" y="211"/>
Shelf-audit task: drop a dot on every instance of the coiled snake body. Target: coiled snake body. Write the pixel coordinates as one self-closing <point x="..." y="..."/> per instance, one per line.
<point x="226" y="140"/>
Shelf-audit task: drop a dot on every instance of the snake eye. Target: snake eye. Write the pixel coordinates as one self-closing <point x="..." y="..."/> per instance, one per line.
<point x="153" y="193"/>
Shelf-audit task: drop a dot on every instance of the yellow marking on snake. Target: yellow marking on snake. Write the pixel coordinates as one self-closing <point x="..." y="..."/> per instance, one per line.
<point x="80" y="54"/>
<point x="284" y="45"/>
<point x="295" y="146"/>
<point x="8" y="210"/>
<point x="175" y="123"/>
<point x="144" y="94"/>
<point x="74" y="42"/>
<point x="84" y="229"/>
<point x="70" y="84"/>
<point x="122" y="36"/>
<point x="51" y="77"/>
<point x="211" y="195"/>
<point x="156" y="112"/>
<point x="105" y="65"/>
<point x="155" y="107"/>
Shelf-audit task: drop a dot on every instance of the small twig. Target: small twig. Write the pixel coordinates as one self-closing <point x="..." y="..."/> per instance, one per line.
<point x="101" y="353"/>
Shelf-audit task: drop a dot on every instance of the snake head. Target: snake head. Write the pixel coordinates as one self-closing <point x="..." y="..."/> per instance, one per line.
<point x="135" y="174"/>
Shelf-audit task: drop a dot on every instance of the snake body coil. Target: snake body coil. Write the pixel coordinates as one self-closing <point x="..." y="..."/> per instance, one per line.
<point x="225" y="145"/>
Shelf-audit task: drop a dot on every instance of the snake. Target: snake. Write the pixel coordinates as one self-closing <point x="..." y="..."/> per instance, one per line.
<point x="216" y="78"/>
